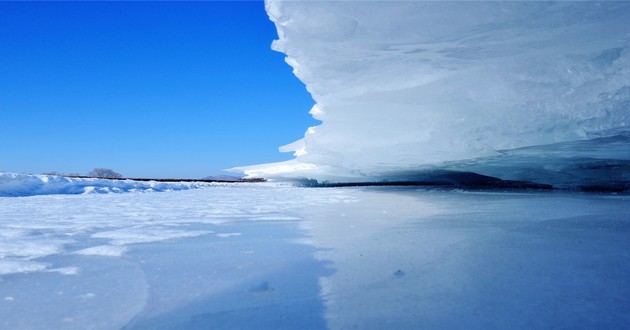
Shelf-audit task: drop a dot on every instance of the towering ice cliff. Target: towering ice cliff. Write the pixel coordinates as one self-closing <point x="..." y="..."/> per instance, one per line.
<point x="536" y="91"/>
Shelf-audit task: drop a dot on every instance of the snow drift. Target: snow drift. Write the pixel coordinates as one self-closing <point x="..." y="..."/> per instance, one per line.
<point x="405" y="88"/>
<point x="15" y="185"/>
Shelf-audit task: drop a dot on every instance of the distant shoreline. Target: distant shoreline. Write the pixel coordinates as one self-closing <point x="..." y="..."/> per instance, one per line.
<point x="171" y="180"/>
<point x="468" y="181"/>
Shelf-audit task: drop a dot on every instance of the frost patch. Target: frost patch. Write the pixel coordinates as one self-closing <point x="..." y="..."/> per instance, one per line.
<point x="103" y="250"/>
<point x="146" y="235"/>
<point x="20" y="266"/>
<point x="65" y="270"/>
<point x="226" y="235"/>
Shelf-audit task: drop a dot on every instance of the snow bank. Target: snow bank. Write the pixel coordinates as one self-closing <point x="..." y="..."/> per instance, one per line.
<point x="403" y="86"/>
<point x="12" y="184"/>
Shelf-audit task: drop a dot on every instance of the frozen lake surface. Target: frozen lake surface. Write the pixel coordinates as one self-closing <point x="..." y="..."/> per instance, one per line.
<point x="266" y="256"/>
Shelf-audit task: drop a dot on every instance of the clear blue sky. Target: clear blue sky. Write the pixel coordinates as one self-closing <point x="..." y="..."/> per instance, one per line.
<point x="149" y="89"/>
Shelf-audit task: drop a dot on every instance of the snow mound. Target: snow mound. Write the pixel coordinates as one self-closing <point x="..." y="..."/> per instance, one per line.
<point x="406" y="86"/>
<point x="13" y="185"/>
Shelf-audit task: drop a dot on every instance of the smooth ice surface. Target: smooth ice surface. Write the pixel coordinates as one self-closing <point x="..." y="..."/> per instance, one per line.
<point x="404" y="87"/>
<point x="268" y="257"/>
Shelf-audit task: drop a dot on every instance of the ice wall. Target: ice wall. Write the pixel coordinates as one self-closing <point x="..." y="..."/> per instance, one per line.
<point x="406" y="86"/>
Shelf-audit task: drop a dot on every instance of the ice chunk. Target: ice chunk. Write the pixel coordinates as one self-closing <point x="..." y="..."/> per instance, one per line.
<point x="404" y="84"/>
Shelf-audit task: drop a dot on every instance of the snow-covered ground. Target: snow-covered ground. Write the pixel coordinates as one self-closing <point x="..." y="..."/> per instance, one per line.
<point x="271" y="256"/>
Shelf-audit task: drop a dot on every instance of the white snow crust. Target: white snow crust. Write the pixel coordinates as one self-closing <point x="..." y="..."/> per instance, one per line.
<point x="263" y="256"/>
<point x="402" y="87"/>
<point x="14" y="184"/>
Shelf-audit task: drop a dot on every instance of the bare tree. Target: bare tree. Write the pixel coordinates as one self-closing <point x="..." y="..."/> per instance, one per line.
<point x="104" y="173"/>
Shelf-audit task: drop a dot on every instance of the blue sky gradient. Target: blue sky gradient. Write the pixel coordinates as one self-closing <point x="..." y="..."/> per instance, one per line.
<point x="149" y="89"/>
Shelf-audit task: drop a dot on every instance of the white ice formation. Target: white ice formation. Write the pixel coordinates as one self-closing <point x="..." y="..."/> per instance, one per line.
<point x="520" y="90"/>
<point x="17" y="185"/>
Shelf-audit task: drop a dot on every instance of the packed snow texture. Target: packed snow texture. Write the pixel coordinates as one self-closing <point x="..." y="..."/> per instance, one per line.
<point x="13" y="184"/>
<point x="408" y="86"/>
<point x="259" y="256"/>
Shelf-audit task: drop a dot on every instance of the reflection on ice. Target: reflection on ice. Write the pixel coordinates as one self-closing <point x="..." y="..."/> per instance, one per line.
<point x="256" y="280"/>
<point x="448" y="259"/>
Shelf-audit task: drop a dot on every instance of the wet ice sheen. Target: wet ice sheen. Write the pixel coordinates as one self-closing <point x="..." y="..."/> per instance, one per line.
<point x="267" y="256"/>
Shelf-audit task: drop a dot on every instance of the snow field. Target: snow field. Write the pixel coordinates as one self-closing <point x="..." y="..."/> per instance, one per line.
<point x="270" y="256"/>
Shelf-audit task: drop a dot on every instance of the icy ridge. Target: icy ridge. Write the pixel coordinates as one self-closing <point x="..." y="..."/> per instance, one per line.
<point x="402" y="85"/>
<point x="15" y="185"/>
